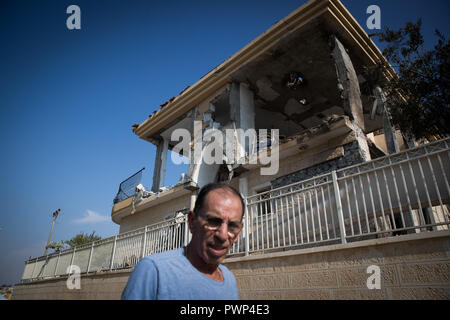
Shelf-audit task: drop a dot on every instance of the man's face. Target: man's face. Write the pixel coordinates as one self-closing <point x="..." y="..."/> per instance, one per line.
<point x="211" y="246"/>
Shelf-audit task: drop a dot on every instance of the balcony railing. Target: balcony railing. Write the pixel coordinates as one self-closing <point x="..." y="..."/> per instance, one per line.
<point x="407" y="192"/>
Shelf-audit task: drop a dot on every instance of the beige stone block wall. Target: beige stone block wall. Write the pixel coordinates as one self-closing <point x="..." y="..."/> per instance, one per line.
<point x="414" y="266"/>
<point x="103" y="286"/>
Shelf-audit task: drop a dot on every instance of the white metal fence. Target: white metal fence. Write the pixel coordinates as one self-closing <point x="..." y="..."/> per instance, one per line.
<point x="121" y="251"/>
<point x="407" y="192"/>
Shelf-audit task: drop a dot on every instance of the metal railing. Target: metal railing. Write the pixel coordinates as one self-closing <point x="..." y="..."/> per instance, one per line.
<point x="118" y="252"/>
<point x="407" y="192"/>
<point x="127" y="187"/>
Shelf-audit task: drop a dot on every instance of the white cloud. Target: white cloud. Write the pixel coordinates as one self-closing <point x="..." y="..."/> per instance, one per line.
<point x="92" y="217"/>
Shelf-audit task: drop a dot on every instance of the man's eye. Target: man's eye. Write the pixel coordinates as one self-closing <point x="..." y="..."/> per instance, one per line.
<point x="234" y="226"/>
<point x="214" y="222"/>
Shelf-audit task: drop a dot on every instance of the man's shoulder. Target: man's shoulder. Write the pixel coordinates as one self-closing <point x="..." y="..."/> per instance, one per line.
<point x="163" y="257"/>
<point x="162" y="262"/>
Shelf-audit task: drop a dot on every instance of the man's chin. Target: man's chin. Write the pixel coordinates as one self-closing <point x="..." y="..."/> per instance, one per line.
<point x="216" y="256"/>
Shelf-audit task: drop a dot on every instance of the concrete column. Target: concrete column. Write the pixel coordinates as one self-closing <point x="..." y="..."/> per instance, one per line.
<point x="350" y="93"/>
<point x="242" y="113"/>
<point x="247" y="107"/>
<point x="243" y="189"/>
<point x="235" y="114"/>
<point x="242" y="106"/>
<point x="243" y="186"/>
<point x="196" y="153"/>
<point x="389" y="130"/>
<point x="193" y="199"/>
<point x="247" y="110"/>
<point x="389" y="133"/>
<point x="159" y="170"/>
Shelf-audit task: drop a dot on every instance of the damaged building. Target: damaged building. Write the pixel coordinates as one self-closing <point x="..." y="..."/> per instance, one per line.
<point x="304" y="77"/>
<point x="347" y="192"/>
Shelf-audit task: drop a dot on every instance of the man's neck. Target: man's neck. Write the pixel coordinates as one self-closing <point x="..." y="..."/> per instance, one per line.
<point x="211" y="271"/>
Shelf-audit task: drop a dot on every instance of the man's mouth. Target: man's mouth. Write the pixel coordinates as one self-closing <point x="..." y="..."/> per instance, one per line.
<point x="218" y="251"/>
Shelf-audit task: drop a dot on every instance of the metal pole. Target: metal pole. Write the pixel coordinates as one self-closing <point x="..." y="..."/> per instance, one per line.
<point x="337" y="197"/>
<point x="55" y="214"/>
<point x="90" y="257"/>
<point x="45" y="265"/>
<point x="34" y="267"/>
<point x="113" y="252"/>
<point x="57" y="262"/>
<point x="145" y="242"/>
<point x="246" y="228"/>
<point x="73" y="258"/>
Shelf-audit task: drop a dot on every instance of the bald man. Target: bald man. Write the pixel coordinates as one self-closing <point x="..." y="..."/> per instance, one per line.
<point x="195" y="272"/>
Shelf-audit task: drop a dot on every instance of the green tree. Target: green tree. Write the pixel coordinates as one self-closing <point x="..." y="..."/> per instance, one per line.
<point x="55" y="246"/>
<point x="418" y="97"/>
<point x="81" y="239"/>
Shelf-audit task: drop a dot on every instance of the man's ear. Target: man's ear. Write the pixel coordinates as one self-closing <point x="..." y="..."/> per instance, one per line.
<point x="191" y="218"/>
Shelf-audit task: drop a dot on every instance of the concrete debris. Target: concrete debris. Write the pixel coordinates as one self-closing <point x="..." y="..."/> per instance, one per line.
<point x="167" y="102"/>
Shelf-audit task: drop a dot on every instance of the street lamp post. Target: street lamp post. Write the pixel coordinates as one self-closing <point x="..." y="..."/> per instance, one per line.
<point x="55" y="214"/>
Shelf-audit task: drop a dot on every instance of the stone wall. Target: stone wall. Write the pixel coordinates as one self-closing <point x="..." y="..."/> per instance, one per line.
<point x="415" y="266"/>
<point x="101" y="286"/>
<point x="411" y="267"/>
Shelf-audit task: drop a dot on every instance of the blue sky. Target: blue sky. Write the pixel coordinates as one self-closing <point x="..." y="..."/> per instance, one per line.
<point x="68" y="98"/>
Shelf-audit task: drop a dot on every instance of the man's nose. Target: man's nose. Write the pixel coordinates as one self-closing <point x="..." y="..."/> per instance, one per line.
<point x="222" y="232"/>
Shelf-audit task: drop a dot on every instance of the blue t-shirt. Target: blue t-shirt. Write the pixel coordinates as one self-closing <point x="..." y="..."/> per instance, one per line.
<point x="170" y="276"/>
